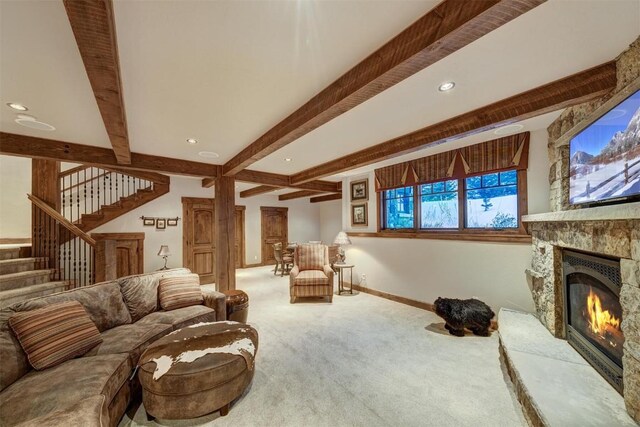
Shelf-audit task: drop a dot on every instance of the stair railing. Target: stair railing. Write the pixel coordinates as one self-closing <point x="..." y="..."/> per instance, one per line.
<point x="69" y="250"/>
<point x="86" y="189"/>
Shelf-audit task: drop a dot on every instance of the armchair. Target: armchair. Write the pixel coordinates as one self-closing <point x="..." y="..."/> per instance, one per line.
<point x="311" y="275"/>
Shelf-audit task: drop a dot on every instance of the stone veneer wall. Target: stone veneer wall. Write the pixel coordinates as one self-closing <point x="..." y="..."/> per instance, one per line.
<point x="628" y="70"/>
<point x="613" y="237"/>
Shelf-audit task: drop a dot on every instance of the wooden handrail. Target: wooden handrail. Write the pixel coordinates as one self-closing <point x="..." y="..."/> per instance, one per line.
<point x="62" y="220"/>
<point x="74" y="170"/>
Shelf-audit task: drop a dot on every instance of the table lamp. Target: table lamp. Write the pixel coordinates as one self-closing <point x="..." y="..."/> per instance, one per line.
<point x="164" y="253"/>
<point x="341" y="240"/>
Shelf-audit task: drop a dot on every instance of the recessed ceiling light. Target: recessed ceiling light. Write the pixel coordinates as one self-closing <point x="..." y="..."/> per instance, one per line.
<point x="446" y="86"/>
<point x="209" y="154"/>
<point x="506" y="130"/>
<point x="31" y="122"/>
<point x="17" y="106"/>
<point x="288" y="159"/>
<point x="192" y="141"/>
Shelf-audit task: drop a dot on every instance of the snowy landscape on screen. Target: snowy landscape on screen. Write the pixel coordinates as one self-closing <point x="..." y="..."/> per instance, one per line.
<point x="605" y="157"/>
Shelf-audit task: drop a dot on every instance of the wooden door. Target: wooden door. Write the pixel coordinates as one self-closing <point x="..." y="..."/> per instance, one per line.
<point x="118" y="255"/>
<point x="198" y="248"/>
<point x="275" y="229"/>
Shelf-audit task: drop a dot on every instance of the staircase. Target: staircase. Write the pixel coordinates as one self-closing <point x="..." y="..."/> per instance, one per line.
<point x="23" y="277"/>
<point x="94" y="196"/>
<point x="62" y="254"/>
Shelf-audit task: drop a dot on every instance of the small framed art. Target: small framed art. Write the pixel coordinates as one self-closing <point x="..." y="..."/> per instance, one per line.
<point x="172" y="222"/>
<point x="148" y="221"/>
<point x="360" y="190"/>
<point x="161" y="223"/>
<point x="359" y="215"/>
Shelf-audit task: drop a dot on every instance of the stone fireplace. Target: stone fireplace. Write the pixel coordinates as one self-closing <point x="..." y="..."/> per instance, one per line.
<point x="564" y="240"/>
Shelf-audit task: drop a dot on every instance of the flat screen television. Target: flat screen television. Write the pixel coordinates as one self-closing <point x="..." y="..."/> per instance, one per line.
<point x="605" y="157"/>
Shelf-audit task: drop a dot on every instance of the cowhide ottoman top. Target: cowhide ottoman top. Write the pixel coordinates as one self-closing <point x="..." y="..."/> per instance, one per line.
<point x="198" y="369"/>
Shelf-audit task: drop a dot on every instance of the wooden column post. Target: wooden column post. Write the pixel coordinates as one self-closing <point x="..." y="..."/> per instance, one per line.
<point x="45" y="184"/>
<point x="225" y="235"/>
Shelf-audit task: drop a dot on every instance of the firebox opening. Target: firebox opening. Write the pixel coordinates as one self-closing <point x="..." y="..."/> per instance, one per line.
<point x="593" y="314"/>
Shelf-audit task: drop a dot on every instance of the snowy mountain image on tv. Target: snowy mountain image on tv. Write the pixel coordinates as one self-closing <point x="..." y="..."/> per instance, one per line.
<point x="605" y="157"/>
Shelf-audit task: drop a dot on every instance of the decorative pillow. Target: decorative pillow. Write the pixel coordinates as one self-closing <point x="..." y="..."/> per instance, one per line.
<point x="180" y="291"/>
<point x="55" y="333"/>
<point x="311" y="257"/>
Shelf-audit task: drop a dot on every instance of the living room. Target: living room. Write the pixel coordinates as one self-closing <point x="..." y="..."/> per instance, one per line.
<point x="321" y="213"/>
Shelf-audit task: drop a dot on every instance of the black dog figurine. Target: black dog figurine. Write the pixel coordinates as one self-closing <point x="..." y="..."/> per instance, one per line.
<point x="468" y="313"/>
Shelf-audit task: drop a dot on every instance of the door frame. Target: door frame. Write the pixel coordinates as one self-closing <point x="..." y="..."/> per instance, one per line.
<point x="262" y="233"/>
<point x="242" y="209"/>
<point x="106" y="243"/>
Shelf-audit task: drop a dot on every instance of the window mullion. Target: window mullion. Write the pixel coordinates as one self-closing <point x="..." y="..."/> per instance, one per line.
<point x="417" y="215"/>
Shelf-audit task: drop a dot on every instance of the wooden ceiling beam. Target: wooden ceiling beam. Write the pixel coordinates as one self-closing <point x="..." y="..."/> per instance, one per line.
<point x="40" y="148"/>
<point x="94" y="28"/>
<point x="448" y="27"/>
<point x="279" y="181"/>
<point x="326" y="198"/>
<point x="572" y="90"/>
<point x="297" y="195"/>
<point x="255" y="191"/>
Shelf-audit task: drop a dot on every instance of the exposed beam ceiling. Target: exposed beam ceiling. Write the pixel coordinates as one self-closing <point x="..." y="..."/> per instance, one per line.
<point x="445" y="29"/>
<point x="280" y="181"/>
<point x="554" y="96"/>
<point x="29" y="146"/>
<point x="326" y="198"/>
<point x="297" y="195"/>
<point x="94" y="29"/>
<point x="261" y="189"/>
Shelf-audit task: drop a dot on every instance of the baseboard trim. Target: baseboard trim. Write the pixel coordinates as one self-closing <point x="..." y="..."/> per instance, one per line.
<point x="14" y="240"/>
<point x="258" y="264"/>
<point x="407" y="301"/>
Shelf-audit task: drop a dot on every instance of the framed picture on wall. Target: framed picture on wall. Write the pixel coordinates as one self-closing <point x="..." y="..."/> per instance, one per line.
<point x="360" y="190"/>
<point x="172" y="222"/>
<point x="359" y="215"/>
<point x="148" y="221"/>
<point x="161" y="224"/>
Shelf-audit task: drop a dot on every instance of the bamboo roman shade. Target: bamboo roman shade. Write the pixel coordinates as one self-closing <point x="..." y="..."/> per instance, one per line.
<point x="511" y="152"/>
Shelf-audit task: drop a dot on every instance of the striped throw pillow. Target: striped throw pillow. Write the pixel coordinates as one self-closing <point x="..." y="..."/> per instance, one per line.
<point x="180" y="291"/>
<point x="53" y="334"/>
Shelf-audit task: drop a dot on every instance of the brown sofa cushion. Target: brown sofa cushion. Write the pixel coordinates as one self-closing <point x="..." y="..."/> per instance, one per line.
<point x="62" y="387"/>
<point x="129" y="339"/>
<point x="55" y="333"/>
<point x="181" y="317"/>
<point x="141" y="292"/>
<point x="181" y="291"/>
<point x="91" y="411"/>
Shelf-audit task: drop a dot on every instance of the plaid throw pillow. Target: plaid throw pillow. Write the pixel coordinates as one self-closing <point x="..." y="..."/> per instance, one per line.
<point x="180" y="291"/>
<point x="311" y="257"/>
<point x="55" y="333"/>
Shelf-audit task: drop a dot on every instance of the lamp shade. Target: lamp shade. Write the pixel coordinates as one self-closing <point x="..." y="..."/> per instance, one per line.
<point x="164" y="251"/>
<point x="342" y="239"/>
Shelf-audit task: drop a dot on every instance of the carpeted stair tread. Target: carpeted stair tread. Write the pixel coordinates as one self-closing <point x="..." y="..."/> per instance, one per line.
<point x="24" y="278"/>
<point x="16" y="265"/>
<point x="12" y="296"/>
<point x="9" y="253"/>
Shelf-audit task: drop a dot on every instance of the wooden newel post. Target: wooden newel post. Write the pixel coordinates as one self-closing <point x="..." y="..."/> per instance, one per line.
<point x="225" y="235"/>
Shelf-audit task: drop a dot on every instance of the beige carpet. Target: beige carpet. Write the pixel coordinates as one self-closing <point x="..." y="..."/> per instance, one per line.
<point x="361" y="361"/>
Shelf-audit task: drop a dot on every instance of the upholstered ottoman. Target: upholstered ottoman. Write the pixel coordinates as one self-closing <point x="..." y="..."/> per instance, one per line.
<point x="197" y="370"/>
<point x="237" y="305"/>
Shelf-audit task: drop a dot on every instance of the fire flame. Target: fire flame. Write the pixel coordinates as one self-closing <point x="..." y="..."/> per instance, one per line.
<point x="601" y="321"/>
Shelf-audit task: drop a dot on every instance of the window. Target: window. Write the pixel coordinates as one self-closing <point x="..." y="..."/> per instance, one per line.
<point x="439" y="205"/>
<point x="398" y="208"/>
<point x="481" y="207"/>
<point x="492" y="200"/>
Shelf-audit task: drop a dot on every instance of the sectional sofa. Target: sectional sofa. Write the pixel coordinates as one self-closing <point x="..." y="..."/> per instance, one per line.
<point x="93" y="390"/>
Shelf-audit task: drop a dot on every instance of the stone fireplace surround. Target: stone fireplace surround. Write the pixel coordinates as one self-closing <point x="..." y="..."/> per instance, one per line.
<point x="610" y="231"/>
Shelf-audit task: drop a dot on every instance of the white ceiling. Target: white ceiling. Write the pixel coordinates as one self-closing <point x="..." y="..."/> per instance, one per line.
<point x="226" y="71"/>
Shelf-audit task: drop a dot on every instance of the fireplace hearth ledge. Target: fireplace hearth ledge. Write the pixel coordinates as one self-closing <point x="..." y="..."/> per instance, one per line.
<point x="554" y="384"/>
<point x="601" y="213"/>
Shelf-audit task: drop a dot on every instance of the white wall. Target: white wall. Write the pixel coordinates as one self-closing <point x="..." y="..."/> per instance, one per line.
<point x="15" y="208"/>
<point x="424" y="269"/>
<point x="304" y="222"/>
<point x="330" y="220"/>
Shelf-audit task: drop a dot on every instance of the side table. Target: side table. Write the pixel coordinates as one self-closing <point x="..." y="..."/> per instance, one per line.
<point x="341" y="268"/>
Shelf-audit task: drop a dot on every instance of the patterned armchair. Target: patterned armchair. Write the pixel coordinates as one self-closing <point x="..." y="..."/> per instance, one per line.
<point x="311" y="275"/>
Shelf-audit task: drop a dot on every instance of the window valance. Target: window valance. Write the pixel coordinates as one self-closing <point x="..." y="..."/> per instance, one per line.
<point x="510" y="152"/>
